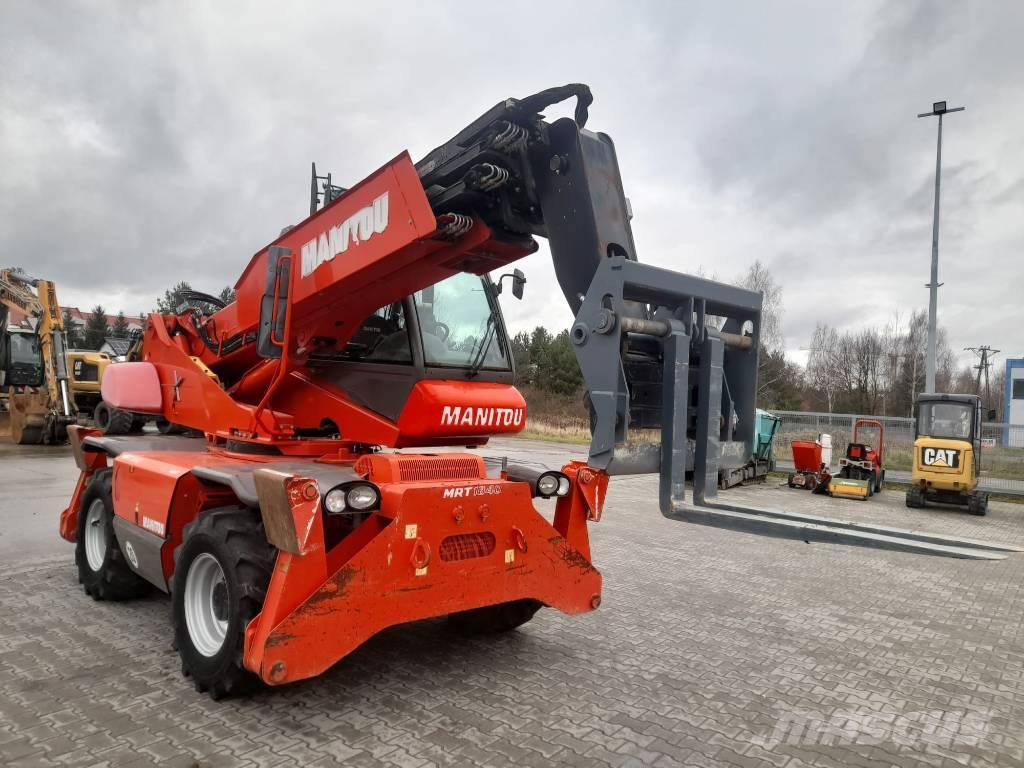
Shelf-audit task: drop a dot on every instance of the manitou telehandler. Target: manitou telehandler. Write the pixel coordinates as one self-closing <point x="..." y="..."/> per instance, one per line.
<point x="288" y="534"/>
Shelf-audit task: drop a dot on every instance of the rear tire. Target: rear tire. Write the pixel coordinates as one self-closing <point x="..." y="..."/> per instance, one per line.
<point x="221" y="573"/>
<point x="494" y="619"/>
<point x="790" y="479"/>
<point x="120" y="422"/>
<point x="101" y="417"/>
<point x="102" y="569"/>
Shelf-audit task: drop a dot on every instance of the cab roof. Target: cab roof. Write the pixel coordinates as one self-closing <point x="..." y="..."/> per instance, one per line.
<point x="935" y="397"/>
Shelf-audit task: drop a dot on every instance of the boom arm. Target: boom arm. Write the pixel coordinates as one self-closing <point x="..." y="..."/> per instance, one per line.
<point x="658" y="349"/>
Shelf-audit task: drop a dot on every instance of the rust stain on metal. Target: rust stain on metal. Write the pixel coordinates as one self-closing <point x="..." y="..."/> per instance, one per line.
<point x="279" y="639"/>
<point x="334" y="587"/>
<point x="570" y="555"/>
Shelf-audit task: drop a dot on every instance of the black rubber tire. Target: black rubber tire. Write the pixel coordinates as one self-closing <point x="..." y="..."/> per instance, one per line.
<point x="101" y="416"/>
<point x="494" y="619"/>
<point x="235" y="537"/>
<point x="810" y="483"/>
<point x="915" y="497"/>
<point x="977" y="504"/>
<point x="114" y="580"/>
<point x="138" y="424"/>
<point x="881" y="479"/>
<point x="120" y="422"/>
<point x="789" y="480"/>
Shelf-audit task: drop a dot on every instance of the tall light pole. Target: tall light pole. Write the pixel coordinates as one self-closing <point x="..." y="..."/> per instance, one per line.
<point x="938" y="108"/>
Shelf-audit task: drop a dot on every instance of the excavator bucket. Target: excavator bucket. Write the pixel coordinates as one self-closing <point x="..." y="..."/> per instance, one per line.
<point x="27" y="418"/>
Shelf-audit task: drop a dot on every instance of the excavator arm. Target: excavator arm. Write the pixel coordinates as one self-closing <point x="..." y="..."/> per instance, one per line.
<point x="44" y="416"/>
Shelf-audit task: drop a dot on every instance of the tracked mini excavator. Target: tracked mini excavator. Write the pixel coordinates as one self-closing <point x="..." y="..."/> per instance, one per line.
<point x="291" y="532"/>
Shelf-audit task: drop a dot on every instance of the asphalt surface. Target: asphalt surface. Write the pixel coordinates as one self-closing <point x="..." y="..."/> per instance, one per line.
<point x="710" y="648"/>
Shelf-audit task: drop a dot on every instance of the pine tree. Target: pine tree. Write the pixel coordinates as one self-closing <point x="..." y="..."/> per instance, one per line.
<point x="120" y="327"/>
<point x="71" y="332"/>
<point x="96" y="328"/>
<point x="172" y="299"/>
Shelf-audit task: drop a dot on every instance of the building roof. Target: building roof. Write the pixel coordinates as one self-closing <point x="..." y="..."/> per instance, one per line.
<point x="80" y="318"/>
<point x="118" y="346"/>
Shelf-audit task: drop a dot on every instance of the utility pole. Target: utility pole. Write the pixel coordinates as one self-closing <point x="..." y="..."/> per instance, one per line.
<point x="984" y="352"/>
<point x="938" y="108"/>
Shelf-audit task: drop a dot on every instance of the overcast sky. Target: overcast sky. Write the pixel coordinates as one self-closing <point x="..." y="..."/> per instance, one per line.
<point x="146" y="143"/>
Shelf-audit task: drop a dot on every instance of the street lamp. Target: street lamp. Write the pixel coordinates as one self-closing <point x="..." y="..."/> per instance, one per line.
<point x="938" y="108"/>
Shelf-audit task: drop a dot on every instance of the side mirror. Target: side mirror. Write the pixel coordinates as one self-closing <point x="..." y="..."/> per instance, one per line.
<point x="518" y="282"/>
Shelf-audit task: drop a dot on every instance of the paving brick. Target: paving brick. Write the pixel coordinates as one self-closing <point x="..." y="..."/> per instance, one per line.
<point x="710" y="649"/>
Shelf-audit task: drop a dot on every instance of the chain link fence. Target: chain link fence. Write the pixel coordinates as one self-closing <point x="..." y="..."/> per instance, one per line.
<point x="1002" y="456"/>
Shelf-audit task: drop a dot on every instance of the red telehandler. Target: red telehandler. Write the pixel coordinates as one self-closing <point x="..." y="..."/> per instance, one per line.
<point x="287" y="533"/>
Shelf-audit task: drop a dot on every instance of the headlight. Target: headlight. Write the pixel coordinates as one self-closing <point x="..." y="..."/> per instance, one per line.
<point x="547" y="485"/>
<point x="362" y="497"/>
<point x="552" y="484"/>
<point x="563" y="486"/>
<point x="334" y="501"/>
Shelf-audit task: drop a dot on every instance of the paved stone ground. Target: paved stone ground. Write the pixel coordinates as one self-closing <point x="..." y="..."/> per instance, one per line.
<point x="710" y="648"/>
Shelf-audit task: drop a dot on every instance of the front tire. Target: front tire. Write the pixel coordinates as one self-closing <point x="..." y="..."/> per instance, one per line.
<point x="102" y="569"/>
<point x="221" y="573"/>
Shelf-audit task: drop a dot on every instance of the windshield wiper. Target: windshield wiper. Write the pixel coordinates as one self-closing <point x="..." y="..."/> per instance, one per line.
<point x="485" y="344"/>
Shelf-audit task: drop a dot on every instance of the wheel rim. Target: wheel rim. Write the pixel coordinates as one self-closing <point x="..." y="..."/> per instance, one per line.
<point x="206" y="604"/>
<point x="95" y="536"/>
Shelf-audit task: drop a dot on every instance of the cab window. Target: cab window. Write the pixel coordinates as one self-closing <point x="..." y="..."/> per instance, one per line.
<point x="382" y="338"/>
<point x="952" y="420"/>
<point x="459" y="325"/>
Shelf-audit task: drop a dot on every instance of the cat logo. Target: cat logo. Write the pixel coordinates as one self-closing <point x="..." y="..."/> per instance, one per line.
<point x="940" y="457"/>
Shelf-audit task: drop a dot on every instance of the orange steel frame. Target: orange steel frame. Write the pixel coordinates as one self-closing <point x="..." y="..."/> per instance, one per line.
<point x="325" y="600"/>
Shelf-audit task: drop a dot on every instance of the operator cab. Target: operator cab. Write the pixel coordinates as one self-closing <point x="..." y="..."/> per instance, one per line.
<point x="452" y="330"/>
<point x="949" y="417"/>
<point x="21" y="359"/>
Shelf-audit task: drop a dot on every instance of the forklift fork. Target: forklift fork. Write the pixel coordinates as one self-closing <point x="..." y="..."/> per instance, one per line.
<point x="706" y="402"/>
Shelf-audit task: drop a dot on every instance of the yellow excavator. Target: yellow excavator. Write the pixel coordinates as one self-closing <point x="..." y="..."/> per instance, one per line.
<point x="37" y="395"/>
<point x="947" y="453"/>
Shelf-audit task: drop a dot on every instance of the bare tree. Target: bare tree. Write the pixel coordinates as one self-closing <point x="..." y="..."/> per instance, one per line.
<point x="759" y="278"/>
<point x="823" y="372"/>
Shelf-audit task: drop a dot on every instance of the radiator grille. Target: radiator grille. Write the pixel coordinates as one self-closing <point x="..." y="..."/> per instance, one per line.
<point x="466" y="546"/>
<point x="439" y="468"/>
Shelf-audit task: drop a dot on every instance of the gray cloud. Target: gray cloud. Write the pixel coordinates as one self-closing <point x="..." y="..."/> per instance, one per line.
<point x="145" y="144"/>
